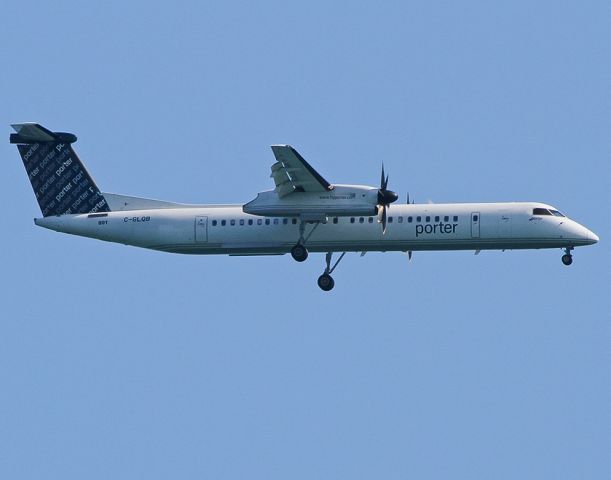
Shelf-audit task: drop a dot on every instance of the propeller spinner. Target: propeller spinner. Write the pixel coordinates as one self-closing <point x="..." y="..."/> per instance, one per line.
<point x="385" y="198"/>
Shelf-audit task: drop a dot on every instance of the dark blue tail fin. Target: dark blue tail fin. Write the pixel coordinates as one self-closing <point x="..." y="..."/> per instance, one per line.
<point x="59" y="179"/>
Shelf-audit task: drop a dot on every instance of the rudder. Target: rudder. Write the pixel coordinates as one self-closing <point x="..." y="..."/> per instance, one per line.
<point x="60" y="181"/>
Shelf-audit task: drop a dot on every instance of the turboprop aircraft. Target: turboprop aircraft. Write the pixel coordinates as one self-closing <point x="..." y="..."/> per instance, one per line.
<point x="303" y="213"/>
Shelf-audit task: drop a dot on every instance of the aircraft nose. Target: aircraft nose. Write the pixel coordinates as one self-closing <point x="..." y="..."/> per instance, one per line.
<point x="588" y="236"/>
<point x="581" y="234"/>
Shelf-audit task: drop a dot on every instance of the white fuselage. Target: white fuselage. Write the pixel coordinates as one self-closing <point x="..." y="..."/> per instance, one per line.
<point x="226" y="229"/>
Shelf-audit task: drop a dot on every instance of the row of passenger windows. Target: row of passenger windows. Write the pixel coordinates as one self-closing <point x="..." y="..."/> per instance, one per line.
<point x="285" y="221"/>
<point x="250" y="221"/>
<point x="418" y="219"/>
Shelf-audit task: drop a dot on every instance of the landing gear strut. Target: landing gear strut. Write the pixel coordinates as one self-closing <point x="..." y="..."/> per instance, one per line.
<point x="325" y="281"/>
<point x="567" y="258"/>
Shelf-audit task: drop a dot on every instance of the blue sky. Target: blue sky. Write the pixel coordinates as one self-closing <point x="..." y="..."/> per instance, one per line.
<point x="124" y="363"/>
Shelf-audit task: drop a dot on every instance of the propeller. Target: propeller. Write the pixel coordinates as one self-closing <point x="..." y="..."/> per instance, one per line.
<point x="385" y="198"/>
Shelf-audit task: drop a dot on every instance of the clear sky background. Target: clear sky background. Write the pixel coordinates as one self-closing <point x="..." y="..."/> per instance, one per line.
<point x="123" y="363"/>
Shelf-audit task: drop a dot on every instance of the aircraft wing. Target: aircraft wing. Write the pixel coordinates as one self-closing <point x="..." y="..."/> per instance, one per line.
<point x="291" y="173"/>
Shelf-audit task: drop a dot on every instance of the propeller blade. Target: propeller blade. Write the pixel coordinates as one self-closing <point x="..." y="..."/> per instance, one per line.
<point x="385" y="198"/>
<point x="384" y="219"/>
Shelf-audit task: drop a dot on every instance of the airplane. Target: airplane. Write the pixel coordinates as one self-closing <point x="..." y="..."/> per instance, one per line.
<point x="303" y="213"/>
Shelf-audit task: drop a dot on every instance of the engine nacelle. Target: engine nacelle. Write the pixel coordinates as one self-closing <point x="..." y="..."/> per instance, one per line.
<point x="341" y="201"/>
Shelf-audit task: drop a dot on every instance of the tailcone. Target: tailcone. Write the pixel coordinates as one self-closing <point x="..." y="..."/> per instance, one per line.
<point x="52" y="223"/>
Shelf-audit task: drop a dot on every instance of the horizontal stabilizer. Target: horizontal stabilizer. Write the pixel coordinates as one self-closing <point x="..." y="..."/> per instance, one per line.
<point x="29" y="133"/>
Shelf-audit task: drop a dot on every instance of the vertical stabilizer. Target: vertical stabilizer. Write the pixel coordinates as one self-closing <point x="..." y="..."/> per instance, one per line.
<point x="60" y="181"/>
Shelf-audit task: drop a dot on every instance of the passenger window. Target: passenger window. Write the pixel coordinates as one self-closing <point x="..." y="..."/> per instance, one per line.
<point x="418" y="219"/>
<point x="428" y="219"/>
<point x="456" y="218"/>
<point x="275" y="221"/>
<point x="409" y="219"/>
<point x="223" y="223"/>
<point x="241" y="221"/>
<point x="285" y="221"/>
<point x="400" y="219"/>
<point x="259" y="221"/>
<point x="214" y="223"/>
<point x="370" y="219"/>
<point x="446" y="218"/>
<point x="267" y="221"/>
<point x="334" y="219"/>
<point x="232" y="222"/>
<point x="361" y="220"/>
<point x="436" y="218"/>
<point x="250" y="221"/>
<point x="351" y="219"/>
<point x="389" y="219"/>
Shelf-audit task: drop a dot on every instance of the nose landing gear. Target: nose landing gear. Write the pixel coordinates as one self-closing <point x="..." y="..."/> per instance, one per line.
<point x="567" y="258"/>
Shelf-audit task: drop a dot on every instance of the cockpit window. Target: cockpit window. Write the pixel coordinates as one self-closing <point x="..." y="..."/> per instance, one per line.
<point x="556" y="213"/>
<point x="541" y="211"/>
<point x="545" y="211"/>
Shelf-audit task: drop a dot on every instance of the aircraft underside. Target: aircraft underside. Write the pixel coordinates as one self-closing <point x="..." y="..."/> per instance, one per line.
<point x="384" y="246"/>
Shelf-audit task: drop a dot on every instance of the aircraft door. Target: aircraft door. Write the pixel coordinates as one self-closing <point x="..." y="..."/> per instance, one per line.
<point x="201" y="229"/>
<point x="475" y="221"/>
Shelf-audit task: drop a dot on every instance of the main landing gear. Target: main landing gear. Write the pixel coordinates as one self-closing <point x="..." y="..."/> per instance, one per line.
<point x="567" y="258"/>
<point x="299" y="252"/>
<point x="325" y="281"/>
